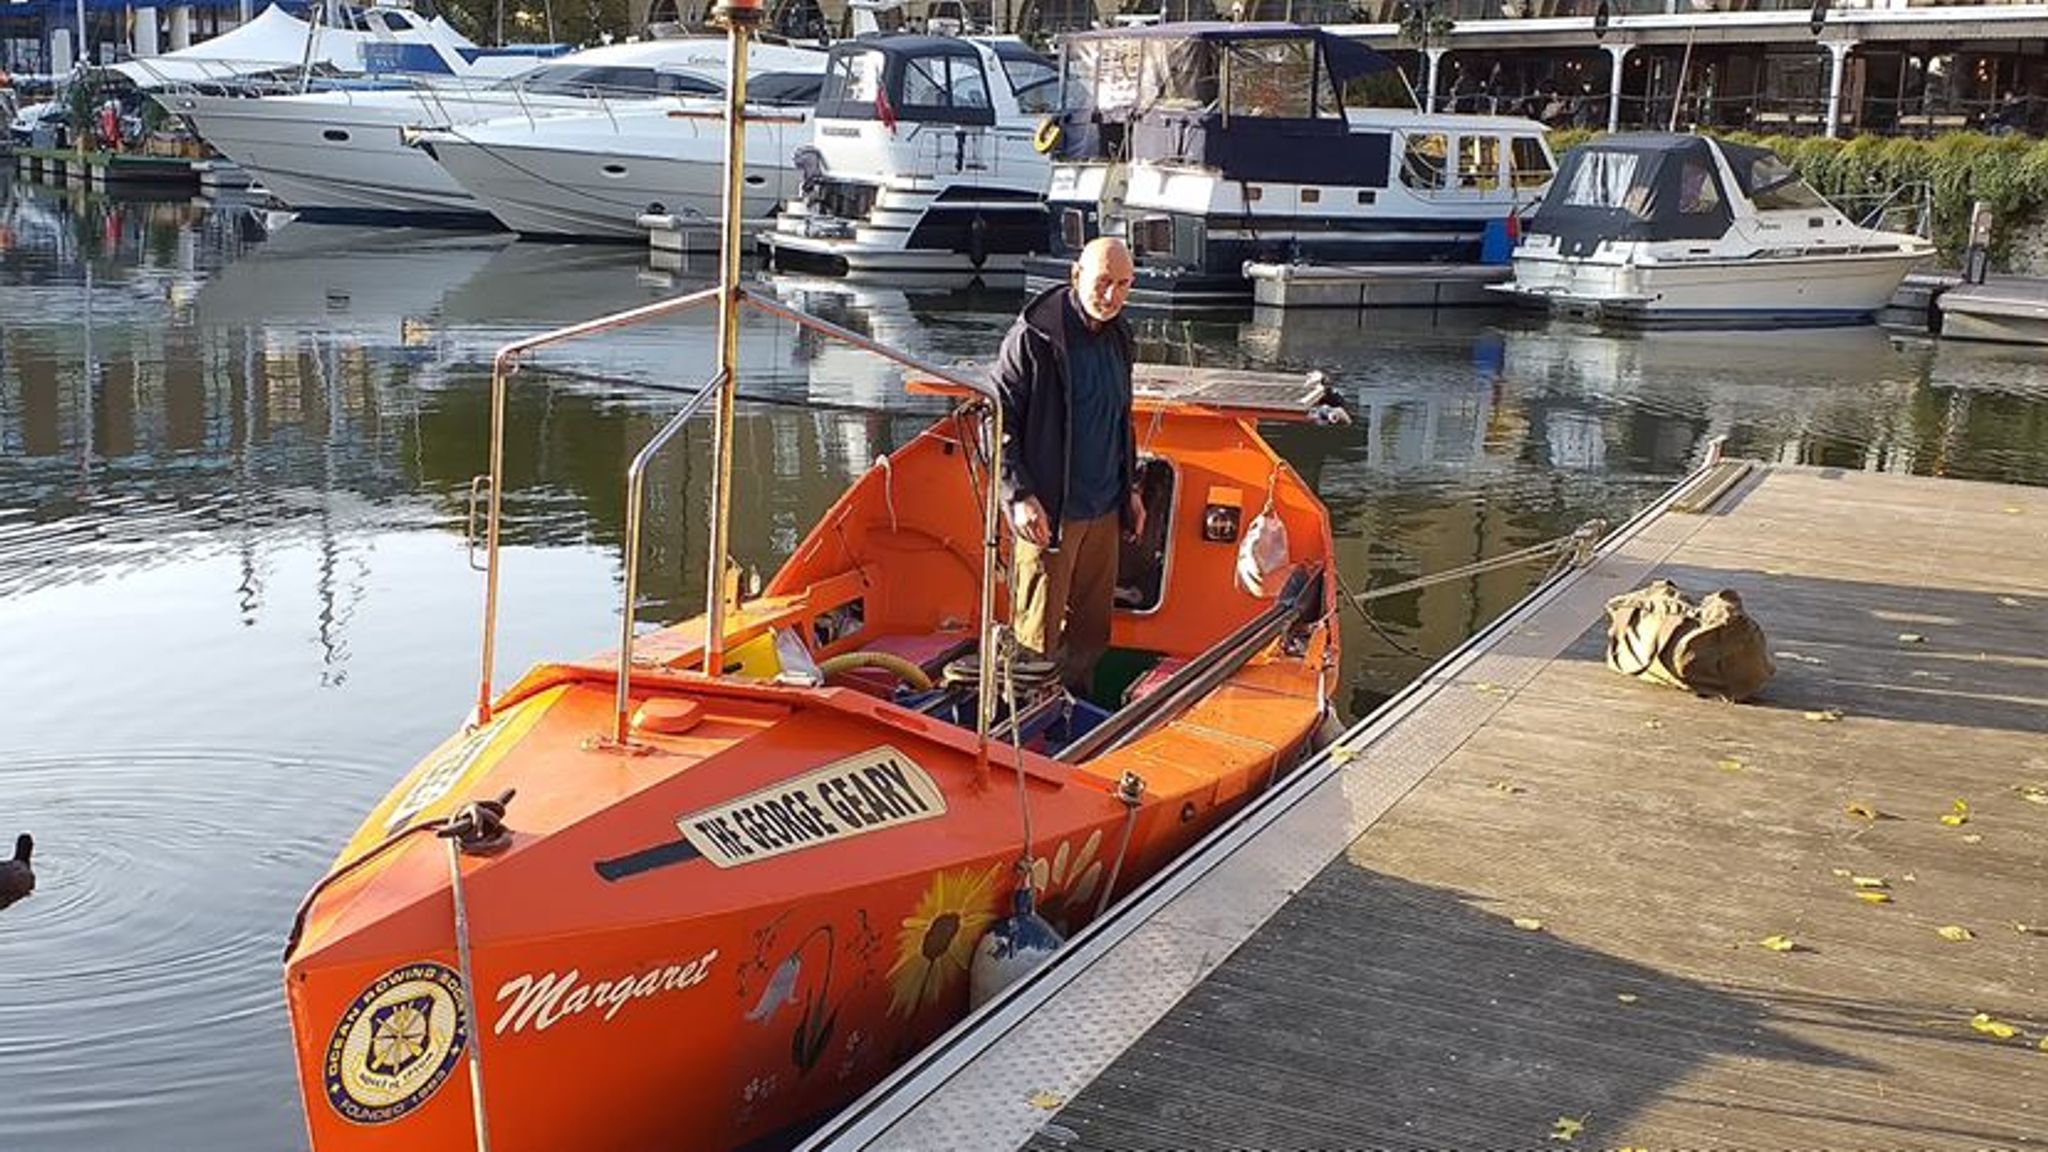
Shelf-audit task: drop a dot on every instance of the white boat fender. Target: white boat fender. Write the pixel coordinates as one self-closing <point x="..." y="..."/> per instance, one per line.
<point x="1010" y="949"/>
<point x="1262" y="564"/>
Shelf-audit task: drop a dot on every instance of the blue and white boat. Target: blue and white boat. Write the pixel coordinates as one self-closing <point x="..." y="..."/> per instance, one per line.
<point x="1210" y="145"/>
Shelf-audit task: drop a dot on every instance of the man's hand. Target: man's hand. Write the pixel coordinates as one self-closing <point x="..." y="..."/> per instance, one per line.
<point x="1137" y="516"/>
<point x="1027" y="516"/>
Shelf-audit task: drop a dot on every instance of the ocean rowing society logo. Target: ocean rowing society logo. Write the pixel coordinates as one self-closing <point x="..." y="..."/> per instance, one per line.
<point x="396" y="1045"/>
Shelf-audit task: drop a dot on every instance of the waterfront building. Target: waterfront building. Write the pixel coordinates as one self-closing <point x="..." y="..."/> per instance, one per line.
<point x="1835" y="67"/>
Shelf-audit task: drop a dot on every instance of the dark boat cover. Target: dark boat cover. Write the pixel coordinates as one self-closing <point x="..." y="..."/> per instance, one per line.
<point x="1258" y="101"/>
<point x="1649" y="186"/>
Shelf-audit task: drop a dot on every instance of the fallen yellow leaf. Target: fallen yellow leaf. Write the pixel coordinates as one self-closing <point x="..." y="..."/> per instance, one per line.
<point x="1825" y="716"/>
<point x="2029" y="929"/>
<point x="2043" y="1045"/>
<point x="1912" y="638"/>
<point x="1528" y="923"/>
<point x="1046" y="1100"/>
<point x="1627" y="997"/>
<point x="1486" y="686"/>
<point x="1867" y="881"/>
<point x="1959" y="816"/>
<point x="2011" y="509"/>
<point x="1653" y="723"/>
<point x="1507" y="786"/>
<point x="1992" y="1026"/>
<point x="1778" y="943"/>
<point x="1566" y="1128"/>
<point x="1730" y="764"/>
<point x="1342" y="754"/>
<point x="1844" y="873"/>
<point x="1867" y="811"/>
<point x="1869" y="896"/>
<point x="1955" y="932"/>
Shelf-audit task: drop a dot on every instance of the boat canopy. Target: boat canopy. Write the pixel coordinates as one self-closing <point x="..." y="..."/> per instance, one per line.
<point x="923" y="79"/>
<point x="1641" y="186"/>
<point x="1258" y="101"/>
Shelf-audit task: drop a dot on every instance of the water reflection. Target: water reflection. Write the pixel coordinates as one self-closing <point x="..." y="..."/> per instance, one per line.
<point x="234" y="476"/>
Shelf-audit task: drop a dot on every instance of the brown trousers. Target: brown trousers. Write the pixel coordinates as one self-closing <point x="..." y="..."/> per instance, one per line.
<point x="1060" y="601"/>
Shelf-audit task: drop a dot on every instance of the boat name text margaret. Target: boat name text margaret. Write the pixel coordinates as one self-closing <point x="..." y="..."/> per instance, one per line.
<point x="545" y="1000"/>
<point x="877" y="789"/>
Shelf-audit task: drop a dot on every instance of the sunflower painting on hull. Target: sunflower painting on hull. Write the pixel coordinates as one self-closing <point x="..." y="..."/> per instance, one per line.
<point x="936" y="943"/>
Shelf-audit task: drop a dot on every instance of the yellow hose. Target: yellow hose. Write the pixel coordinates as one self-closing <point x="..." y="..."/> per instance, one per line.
<point x="905" y="671"/>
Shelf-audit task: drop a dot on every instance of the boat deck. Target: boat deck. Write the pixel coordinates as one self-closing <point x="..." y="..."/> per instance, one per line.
<point x="1526" y="904"/>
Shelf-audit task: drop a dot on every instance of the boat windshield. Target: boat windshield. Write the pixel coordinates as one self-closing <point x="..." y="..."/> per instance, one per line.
<point x="785" y="89"/>
<point x="933" y="80"/>
<point x="1036" y="84"/>
<point x="590" y="80"/>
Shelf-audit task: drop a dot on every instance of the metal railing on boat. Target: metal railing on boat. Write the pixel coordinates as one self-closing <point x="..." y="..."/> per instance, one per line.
<point x="722" y="385"/>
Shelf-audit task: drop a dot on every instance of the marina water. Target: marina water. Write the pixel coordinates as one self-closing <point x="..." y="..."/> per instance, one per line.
<point x="236" y="604"/>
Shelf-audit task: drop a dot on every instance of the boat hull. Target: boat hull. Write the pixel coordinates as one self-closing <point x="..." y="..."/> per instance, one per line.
<point x="331" y="159"/>
<point x="960" y="231"/>
<point x="1823" y="290"/>
<point x="597" y="193"/>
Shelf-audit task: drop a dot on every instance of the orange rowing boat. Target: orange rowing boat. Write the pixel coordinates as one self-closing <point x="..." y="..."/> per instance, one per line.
<point x="702" y="891"/>
<point x="769" y="894"/>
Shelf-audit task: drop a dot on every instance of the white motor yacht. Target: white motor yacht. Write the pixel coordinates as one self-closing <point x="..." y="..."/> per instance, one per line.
<point x="922" y="161"/>
<point x="1207" y="146"/>
<point x="1680" y="228"/>
<point x="344" y="155"/>
<point x="592" y="175"/>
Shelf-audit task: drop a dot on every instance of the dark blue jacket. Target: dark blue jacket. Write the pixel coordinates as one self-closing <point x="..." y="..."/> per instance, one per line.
<point x="1032" y="379"/>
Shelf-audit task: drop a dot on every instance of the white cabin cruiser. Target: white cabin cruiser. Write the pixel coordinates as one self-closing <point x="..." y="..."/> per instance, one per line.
<point x="1210" y="145"/>
<point x="1687" y="229"/>
<point x="921" y="161"/>
<point x="591" y="175"/>
<point x="344" y="155"/>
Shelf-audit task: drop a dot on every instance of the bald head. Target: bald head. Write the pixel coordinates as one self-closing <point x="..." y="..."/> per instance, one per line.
<point x="1102" y="278"/>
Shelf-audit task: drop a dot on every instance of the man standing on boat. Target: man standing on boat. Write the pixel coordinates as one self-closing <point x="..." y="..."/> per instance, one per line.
<point x="1069" y="457"/>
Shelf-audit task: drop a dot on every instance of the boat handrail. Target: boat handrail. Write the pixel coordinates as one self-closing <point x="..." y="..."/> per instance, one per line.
<point x="1193" y="680"/>
<point x="636" y="496"/>
<point x="506" y="363"/>
<point x="503" y="366"/>
<point x="1921" y="190"/>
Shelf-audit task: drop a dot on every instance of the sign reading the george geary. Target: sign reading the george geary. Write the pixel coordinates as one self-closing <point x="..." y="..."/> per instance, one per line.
<point x="877" y="789"/>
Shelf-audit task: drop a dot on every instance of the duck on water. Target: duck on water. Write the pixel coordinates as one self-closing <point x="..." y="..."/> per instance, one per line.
<point x="730" y="875"/>
<point x="17" y="878"/>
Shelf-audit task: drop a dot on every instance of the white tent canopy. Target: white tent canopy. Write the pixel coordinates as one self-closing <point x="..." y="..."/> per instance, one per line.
<point x="274" y="39"/>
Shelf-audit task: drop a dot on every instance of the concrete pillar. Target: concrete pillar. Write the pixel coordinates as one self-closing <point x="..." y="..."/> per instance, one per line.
<point x="181" y="28"/>
<point x="1619" y="53"/>
<point x="145" y="33"/>
<point x="1839" y="49"/>
<point x="1436" y="56"/>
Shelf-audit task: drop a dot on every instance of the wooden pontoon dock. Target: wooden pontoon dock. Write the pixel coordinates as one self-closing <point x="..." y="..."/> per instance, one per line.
<point x="1527" y="903"/>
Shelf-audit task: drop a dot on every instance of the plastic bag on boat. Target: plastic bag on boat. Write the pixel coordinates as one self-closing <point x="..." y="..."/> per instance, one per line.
<point x="1262" y="556"/>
